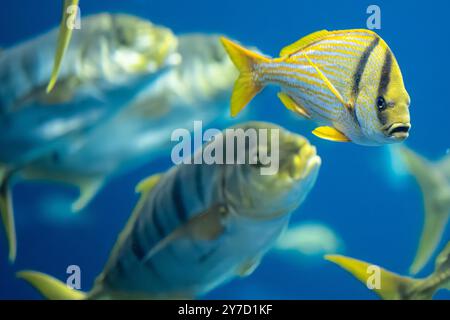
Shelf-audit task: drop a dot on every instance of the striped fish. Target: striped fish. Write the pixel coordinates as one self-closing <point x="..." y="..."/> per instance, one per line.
<point x="391" y="286"/>
<point x="197" y="226"/>
<point x="348" y="82"/>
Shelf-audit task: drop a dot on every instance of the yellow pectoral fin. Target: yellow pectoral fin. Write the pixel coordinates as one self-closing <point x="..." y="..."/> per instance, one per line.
<point x="290" y="104"/>
<point x="329" y="133"/>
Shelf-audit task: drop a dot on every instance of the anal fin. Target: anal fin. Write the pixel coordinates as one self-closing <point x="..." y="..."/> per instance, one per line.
<point x="290" y="104"/>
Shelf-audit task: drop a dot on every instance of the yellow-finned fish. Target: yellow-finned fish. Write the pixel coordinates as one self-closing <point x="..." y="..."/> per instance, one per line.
<point x="347" y="81"/>
<point x="197" y="226"/>
<point x="390" y="286"/>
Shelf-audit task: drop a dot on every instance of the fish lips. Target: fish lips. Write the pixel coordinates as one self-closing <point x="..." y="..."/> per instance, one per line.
<point x="398" y="131"/>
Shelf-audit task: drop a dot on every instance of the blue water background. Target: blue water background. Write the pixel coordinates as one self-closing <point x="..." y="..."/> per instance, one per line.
<point x="377" y="214"/>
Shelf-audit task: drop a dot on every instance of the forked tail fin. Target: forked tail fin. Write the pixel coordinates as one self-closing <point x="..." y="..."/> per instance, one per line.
<point x="51" y="288"/>
<point x="245" y="87"/>
<point x="435" y="188"/>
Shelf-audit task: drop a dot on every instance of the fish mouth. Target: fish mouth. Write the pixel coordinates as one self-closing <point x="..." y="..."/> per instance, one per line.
<point x="398" y="131"/>
<point x="304" y="162"/>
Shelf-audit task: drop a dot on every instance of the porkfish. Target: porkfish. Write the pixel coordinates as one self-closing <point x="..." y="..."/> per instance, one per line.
<point x="347" y="81"/>
<point x="391" y="286"/>
<point x="107" y="63"/>
<point x="197" y="88"/>
<point x="199" y="225"/>
<point x="434" y="182"/>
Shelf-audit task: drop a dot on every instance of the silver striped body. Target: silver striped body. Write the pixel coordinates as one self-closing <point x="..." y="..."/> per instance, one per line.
<point x="256" y="210"/>
<point x="187" y="267"/>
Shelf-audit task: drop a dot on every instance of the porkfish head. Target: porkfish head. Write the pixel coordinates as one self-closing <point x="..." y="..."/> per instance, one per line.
<point x="383" y="103"/>
<point x="116" y="47"/>
<point x="283" y="170"/>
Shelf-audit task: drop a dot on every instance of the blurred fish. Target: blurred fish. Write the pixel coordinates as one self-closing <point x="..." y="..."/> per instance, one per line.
<point x="310" y="240"/>
<point x="197" y="88"/>
<point x="198" y="226"/>
<point x="348" y="81"/>
<point x="109" y="60"/>
<point x="434" y="181"/>
<point x="395" y="287"/>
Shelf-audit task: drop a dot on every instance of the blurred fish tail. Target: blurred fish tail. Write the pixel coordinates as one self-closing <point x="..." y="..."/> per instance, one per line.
<point x="7" y="213"/>
<point x="50" y="287"/>
<point x="246" y="86"/>
<point x="390" y="286"/>
<point x="436" y="194"/>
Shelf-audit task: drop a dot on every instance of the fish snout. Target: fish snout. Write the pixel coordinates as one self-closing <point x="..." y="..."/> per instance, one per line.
<point x="302" y="159"/>
<point x="398" y="130"/>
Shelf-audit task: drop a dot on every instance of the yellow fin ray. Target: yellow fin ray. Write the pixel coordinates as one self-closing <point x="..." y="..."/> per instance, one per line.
<point x="329" y="133"/>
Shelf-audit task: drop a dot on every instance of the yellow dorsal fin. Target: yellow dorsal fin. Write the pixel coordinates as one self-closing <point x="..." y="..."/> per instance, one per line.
<point x="148" y="183"/>
<point x="329" y="133"/>
<point x="51" y="288"/>
<point x="65" y="34"/>
<point x="290" y="104"/>
<point x="303" y="42"/>
<point x="390" y="285"/>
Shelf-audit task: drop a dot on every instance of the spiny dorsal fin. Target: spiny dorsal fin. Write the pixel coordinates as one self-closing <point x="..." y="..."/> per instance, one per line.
<point x="303" y="42"/>
<point x="51" y="288"/>
<point x="148" y="183"/>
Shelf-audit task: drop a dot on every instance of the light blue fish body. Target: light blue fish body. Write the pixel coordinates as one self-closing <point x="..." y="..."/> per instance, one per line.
<point x="111" y="58"/>
<point x="198" y="88"/>
<point x="198" y="226"/>
<point x="104" y="67"/>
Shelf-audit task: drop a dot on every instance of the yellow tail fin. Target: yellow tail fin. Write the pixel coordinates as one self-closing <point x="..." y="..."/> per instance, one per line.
<point x="50" y="287"/>
<point x="390" y="285"/>
<point x="7" y="213"/>
<point x="245" y="87"/>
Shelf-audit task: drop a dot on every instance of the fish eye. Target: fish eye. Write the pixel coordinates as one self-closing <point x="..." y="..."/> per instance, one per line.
<point x="381" y="103"/>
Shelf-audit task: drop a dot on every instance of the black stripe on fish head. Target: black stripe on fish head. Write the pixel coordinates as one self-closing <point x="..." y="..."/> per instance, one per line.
<point x="362" y="66"/>
<point x="385" y="79"/>
<point x="358" y="76"/>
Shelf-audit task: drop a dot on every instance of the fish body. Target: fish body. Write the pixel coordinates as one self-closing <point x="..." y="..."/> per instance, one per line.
<point x="197" y="226"/>
<point x="197" y="88"/>
<point x="348" y="82"/>
<point x="108" y="61"/>
<point x="106" y="64"/>
<point x="391" y="286"/>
